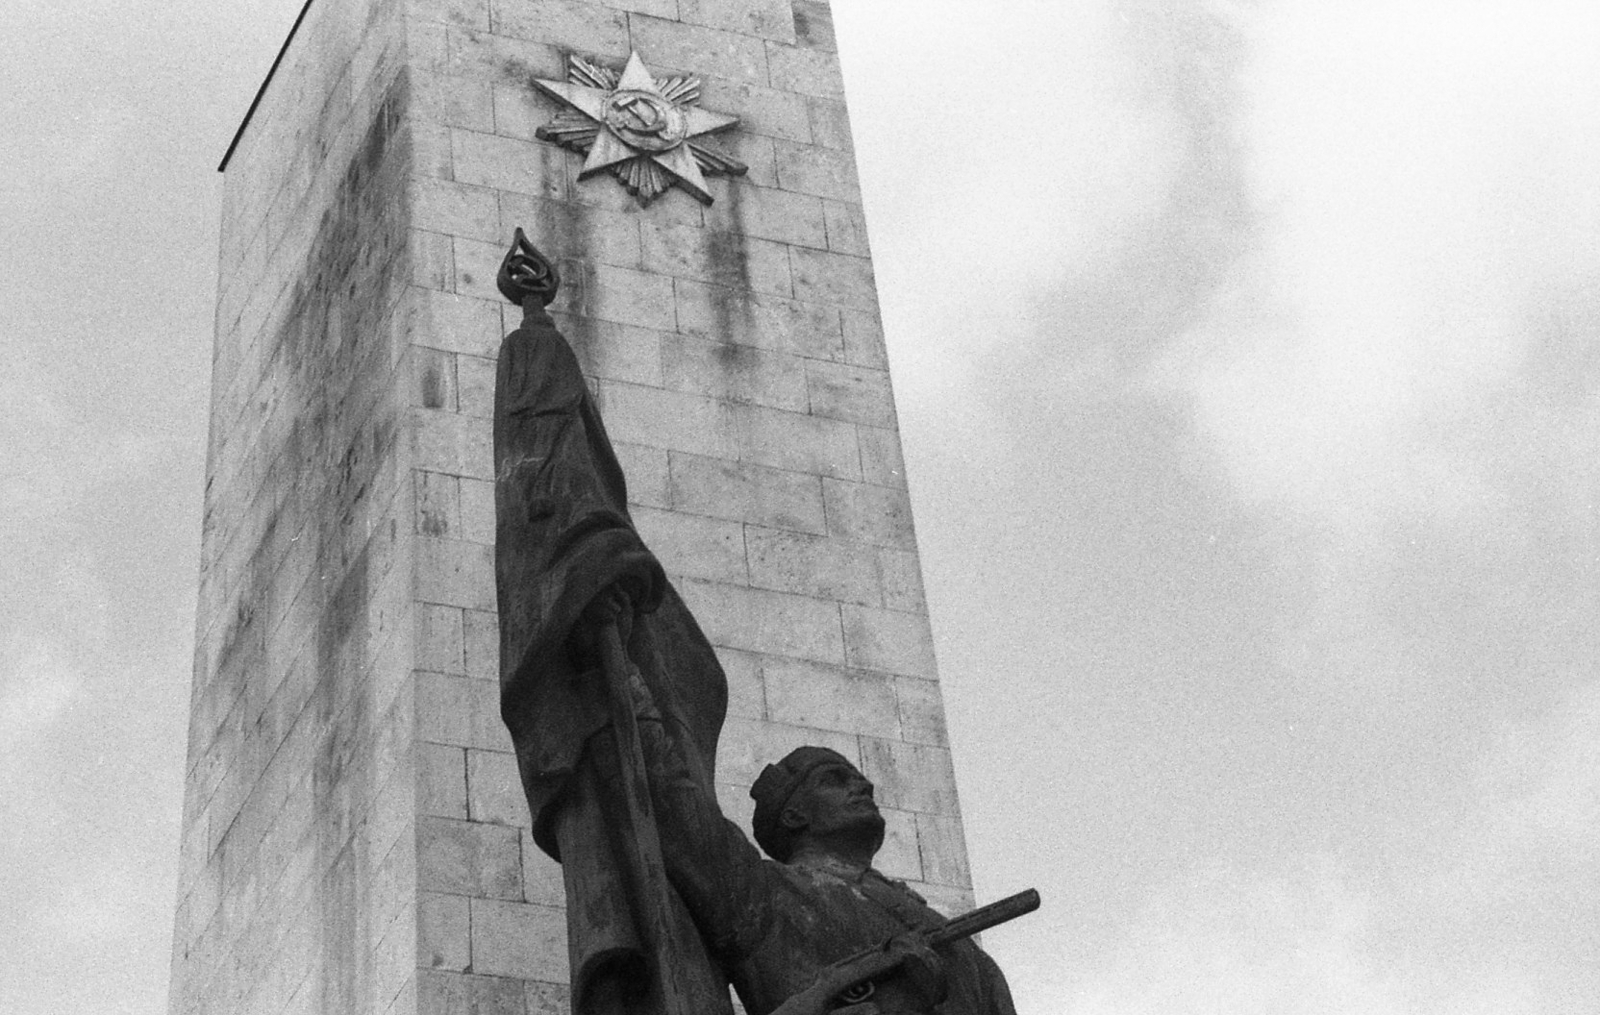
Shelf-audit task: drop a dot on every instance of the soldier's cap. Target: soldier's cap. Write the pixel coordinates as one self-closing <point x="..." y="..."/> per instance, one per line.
<point x="773" y="788"/>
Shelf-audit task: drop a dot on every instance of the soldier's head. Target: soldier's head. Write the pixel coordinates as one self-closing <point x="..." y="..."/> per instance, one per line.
<point x="816" y="797"/>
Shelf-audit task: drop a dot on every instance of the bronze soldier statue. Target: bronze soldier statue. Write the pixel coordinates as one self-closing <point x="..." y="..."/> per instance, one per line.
<point x="615" y="700"/>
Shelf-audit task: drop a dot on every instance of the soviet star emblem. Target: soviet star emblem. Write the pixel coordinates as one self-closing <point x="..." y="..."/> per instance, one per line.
<point x="639" y="129"/>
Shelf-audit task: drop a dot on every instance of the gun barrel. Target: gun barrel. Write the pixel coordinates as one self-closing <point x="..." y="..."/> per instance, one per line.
<point x="984" y="917"/>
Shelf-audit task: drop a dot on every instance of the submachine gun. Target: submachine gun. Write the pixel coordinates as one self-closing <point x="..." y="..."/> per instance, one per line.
<point x="849" y="980"/>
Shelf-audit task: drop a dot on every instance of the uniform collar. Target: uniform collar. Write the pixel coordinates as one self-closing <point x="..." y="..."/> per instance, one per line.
<point x="826" y="863"/>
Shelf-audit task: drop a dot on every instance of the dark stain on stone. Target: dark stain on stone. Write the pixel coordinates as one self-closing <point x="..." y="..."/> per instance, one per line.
<point x="434" y="523"/>
<point x="343" y="616"/>
<point x="813" y="25"/>
<point x="342" y="788"/>
<point x="432" y="388"/>
<point x="581" y="335"/>
<point x="336" y="362"/>
<point x="519" y="71"/>
<point x="734" y="356"/>
<point x="466" y="278"/>
<point x="728" y="252"/>
<point x="334" y="419"/>
<point x="732" y="312"/>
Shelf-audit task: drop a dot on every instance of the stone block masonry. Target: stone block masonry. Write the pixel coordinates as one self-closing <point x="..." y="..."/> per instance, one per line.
<point x="354" y="836"/>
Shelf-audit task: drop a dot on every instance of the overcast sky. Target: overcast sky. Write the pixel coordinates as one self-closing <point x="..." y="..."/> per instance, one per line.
<point x="1248" y="361"/>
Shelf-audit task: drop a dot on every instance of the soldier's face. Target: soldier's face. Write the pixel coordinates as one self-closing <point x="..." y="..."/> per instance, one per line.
<point x="837" y="797"/>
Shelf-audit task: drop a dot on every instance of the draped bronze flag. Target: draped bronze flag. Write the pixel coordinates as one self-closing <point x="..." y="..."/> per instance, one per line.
<point x="563" y="536"/>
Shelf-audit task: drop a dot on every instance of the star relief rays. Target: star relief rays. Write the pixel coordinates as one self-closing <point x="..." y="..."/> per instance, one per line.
<point x="641" y="130"/>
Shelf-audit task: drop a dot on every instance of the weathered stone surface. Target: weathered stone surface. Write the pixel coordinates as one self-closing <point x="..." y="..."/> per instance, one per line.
<point x="761" y="110"/>
<point x="889" y="641"/>
<point x="461" y="711"/>
<point x="758" y="152"/>
<point x="466" y="13"/>
<point x="901" y="577"/>
<point x="734" y="373"/>
<point x="847" y="228"/>
<point x="482" y="637"/>
<point x="695" y="546"/>
<point x="455" y="209"/>
<point x="733" y="315"/>
<point x="508" y="164"/>
<point x="840" y="279"/>
<point x="624" y="296"/>
<point x="453" y="573"/>
<point x="815" y="565"/>
<point x="773" y="623"/>
<point x="719" y="258"/>
<point x="806" y="70"/>
<point x="770" y="214"/>
<point x="746" y="692"/>
<point x="913" y="777"/>
<point x="824" y="172"/>
<point x="693" y="49"/>
<point x="944" y="850"/>
<point x="521" y="940"/>
<point x="857" y="394"/>
<point x="813" y="25"/>
<point x="439" y="637"/>
<point x="617" y="352"/>
<point x="901" y="855"/>
<point x="830" y="698"/>
<point x="350" y="784"/>
<point x="494" y="789"/>
<point x="608" y="237"/>
<point x="453" y="444"/>
<point x="454" y="323"/>
<point x="648" y="474"/>
<point x="584" y="27"/>
<point x="542" y="880"/>
<point x="670" y="420"/>
<point x="473" y="263"/>
<point x="433" y="261"/>
<point x="794" y="441"/>
<point x="293" y="819"/>
<point x="467" y="858"/>
<point x="868" y="513"/>
<point x="921" y="711"/>
<point x="747" y="747"/>
<point x="830" y="123"/>
<point x="744" y="492"/>
<point x="767" y="19"/>
<point x="441" y="992"/>
<point x="497" y="58"/>
<point x="456" y="102"/>
<point x="882" y="462"/>
<point x="441" y="781"/>
<point x="443" y="932"/>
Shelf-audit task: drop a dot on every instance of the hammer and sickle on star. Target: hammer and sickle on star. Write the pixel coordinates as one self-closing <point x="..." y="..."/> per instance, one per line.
<point x="649" y="120"/>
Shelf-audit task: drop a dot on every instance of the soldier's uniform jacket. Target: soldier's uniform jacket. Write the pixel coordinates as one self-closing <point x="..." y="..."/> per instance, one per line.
<point x="774" y="926"/>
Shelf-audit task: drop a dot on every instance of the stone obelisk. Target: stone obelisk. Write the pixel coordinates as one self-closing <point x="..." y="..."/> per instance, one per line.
<point x="355" y="838"/>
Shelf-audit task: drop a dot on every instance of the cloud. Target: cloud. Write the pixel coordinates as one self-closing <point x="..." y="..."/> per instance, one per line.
<point x="1539" y="793"/>
<point x="1399" y="371"/>
<point x="1390" y="363"/>
<point x="1421" y="191"/>
<point x="1495" y="913"/>
<point x="1246" y="945"/>
<point x="1044" y="154"/>
<point x="37" y="683"/>
<point x="1318" y="940"/>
